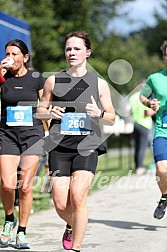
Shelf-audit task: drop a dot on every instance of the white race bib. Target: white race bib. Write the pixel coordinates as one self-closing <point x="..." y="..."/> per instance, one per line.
<point x="75" y="124"/>
<point x="164" y="119"/>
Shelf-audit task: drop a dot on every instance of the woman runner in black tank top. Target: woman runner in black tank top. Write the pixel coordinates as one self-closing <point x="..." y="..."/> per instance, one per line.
<point x="76" y="100"/>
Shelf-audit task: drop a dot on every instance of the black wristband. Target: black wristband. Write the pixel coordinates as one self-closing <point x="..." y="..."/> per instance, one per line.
<point x="148" y="104"/>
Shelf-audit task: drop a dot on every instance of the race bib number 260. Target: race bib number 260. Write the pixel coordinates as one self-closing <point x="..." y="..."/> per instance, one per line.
<point x="75" y="124"/>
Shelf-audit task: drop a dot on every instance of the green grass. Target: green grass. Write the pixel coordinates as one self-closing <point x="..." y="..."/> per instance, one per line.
<point x="108" y="169"/>
<point x="111" y="168"/>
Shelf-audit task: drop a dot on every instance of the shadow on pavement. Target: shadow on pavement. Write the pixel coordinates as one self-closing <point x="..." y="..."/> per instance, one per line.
<point x="126" y="224"/>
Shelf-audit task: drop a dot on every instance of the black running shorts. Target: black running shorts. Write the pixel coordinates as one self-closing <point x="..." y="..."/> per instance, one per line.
<point x="64" y="163"/>
<point x="16" y="142"/>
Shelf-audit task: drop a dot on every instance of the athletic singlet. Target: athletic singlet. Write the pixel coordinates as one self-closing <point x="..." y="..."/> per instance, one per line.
<point x="22" y="91"/>
<point x="74" y="93"/>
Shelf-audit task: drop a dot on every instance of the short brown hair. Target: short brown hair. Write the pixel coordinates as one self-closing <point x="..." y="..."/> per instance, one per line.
<point x="80" y="34"/>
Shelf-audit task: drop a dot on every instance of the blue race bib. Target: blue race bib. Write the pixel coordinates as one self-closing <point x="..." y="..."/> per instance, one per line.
<point x="19" y="116"/>
<point x="75" y="124"/>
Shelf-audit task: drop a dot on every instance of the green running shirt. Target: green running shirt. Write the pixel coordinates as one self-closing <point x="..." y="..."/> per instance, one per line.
<point x="156" y="84"/>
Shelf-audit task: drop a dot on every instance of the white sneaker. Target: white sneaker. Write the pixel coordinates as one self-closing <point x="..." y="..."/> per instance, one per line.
<point x="140" y="171"/>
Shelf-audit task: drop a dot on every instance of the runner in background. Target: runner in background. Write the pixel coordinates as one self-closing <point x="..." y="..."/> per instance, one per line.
<point x="156" y="85"/>
<point x="142" y="119"/>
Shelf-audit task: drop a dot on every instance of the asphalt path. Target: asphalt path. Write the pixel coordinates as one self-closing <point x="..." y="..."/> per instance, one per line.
<point x="120" y="219"/>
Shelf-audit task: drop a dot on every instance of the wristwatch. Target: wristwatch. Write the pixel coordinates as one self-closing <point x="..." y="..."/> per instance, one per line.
<point x="101" y="115"/>
<point x="148" y="104"/>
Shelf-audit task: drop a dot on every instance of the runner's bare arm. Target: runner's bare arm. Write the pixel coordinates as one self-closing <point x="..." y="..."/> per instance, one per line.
<point x="44" y="107"/>
<point x="106" y="102"/>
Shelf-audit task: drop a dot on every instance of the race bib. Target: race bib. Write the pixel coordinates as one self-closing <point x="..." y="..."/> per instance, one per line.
<point x="19" y="116"/>
<point x="75" y="124"/>
<point x="164" y="119"/>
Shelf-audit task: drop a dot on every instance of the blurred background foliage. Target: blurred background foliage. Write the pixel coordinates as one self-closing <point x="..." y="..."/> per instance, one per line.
<point x="51" y="20"/>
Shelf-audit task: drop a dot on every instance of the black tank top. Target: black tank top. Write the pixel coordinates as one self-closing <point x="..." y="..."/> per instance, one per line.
<point x="74" y="93"/>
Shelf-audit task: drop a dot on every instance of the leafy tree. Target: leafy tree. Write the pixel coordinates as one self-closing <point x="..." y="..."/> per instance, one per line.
<point x="155" y="36"/>
<point x="50" y="20"/>
<point x="134" y="51"/>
